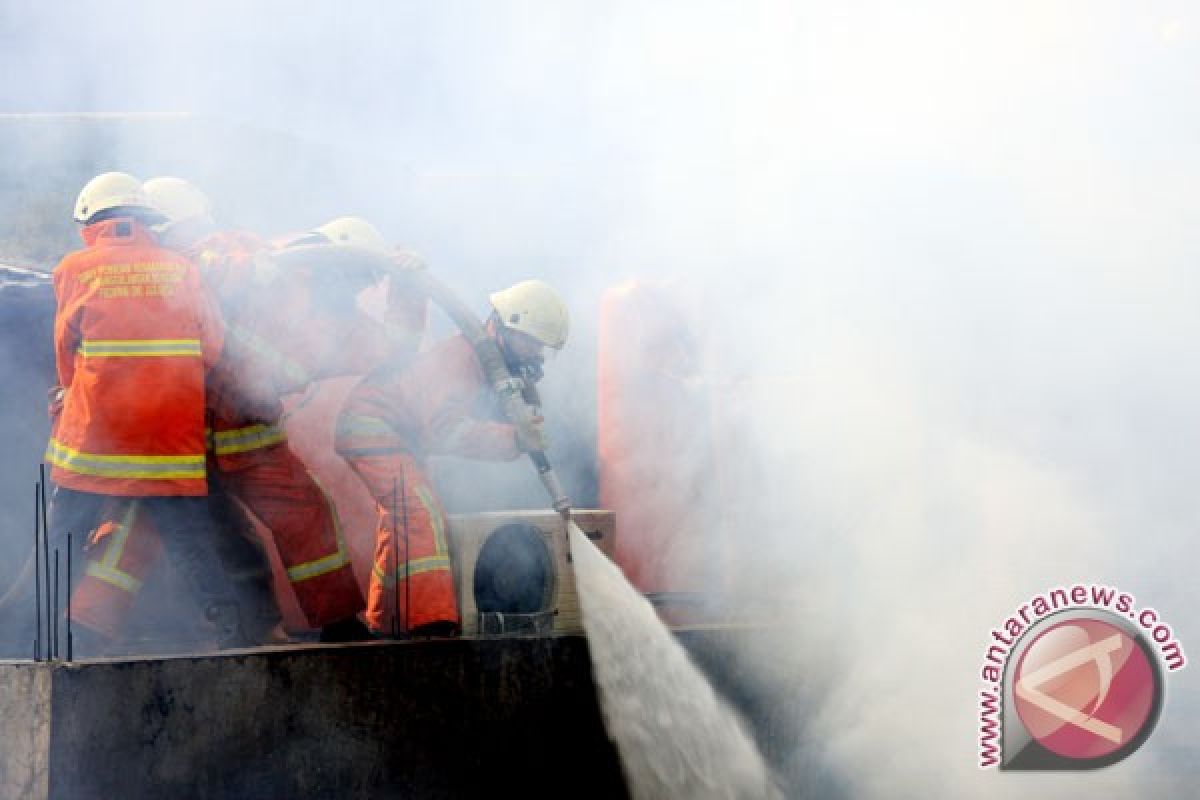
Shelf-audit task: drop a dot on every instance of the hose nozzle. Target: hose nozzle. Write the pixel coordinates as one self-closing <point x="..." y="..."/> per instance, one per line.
<point x="561" y="503"/>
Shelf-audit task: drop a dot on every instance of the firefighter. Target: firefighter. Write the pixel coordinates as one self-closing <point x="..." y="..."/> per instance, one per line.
<point x="440" y="404"/>
<point x="286" y="329"/>
<point x="134" y="547"/>
<point x="134" y="334"/>
<point x="272" y="352"/>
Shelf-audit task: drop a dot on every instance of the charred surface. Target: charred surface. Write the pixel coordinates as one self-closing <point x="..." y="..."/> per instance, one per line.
<point x="458" y="718"/>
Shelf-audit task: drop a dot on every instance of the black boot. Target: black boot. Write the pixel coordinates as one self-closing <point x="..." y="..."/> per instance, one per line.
<point x="350" y="629"/>
<point x="435" y="630"/>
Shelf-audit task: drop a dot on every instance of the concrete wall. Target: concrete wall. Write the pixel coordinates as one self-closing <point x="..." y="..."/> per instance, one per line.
<point x="24" y="730"/>
<point x="454" y="718"/>
<point x="430" y="719"/>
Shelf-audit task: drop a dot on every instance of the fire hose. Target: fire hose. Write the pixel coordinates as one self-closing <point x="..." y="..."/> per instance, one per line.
<point x="518" y="400"/>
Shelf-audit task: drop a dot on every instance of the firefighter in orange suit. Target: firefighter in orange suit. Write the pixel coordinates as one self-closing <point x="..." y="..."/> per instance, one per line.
<point x="440" y="404"/>
<point x="134" y="335"/>
<point x="285" y="329"/>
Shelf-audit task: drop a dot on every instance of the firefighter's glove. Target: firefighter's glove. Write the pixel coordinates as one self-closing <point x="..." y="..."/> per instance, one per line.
<point x="99" y="535"/>
<point x="531" y="435"/>
<point x="54" y="402"/>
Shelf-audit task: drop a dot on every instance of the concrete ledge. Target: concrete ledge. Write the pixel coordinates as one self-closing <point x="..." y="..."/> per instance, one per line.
<point x="463" y="718"/>
<point x="457" y="718"/>
<point x="24" y="729"/>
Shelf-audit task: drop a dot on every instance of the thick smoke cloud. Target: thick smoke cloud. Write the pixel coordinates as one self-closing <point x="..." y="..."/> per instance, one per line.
<point x="946" y="255"/>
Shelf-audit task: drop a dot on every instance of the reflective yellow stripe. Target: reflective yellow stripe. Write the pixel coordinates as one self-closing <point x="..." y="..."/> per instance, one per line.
<point x="116" y="545"/>
<point x="415" y="567"/>
<point x="441" y="558"/>
<point x="325" y="564"/>
<point x="358" y="436"/>
<point x="106" y="568"/>
<point x="252" y="437"/>
<point x="239" y="336"/>
<point x="122" y="580"/>
<point x="354" y="425"/>
<point x="322" y="566"/>
<point x="125" y="459"/>
<point x="108" y="466"/>
<point x="95" y="348"/>
<point x="362" y="452"/>
<point x="439" y="528"/>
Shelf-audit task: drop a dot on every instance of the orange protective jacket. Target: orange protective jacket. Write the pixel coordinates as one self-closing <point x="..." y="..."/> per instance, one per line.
<point x="256" y="464"/>
<point x="134" y="334"/>
<point x="278" y="342"/>
<point x="440" y="404"/>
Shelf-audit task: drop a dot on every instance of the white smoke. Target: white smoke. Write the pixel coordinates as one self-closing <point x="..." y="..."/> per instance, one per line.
<point x="948" y="251"/>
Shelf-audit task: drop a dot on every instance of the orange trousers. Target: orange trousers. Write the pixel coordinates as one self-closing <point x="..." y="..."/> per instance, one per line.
<point x="412" y="584"/>
<point x="114" y="569"/>
<point x="277" y="489"/>
<point x="103" y="525"/>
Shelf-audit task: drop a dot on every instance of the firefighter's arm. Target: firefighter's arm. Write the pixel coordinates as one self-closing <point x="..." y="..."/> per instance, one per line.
<point x="66" y="327"/>
<point x="453" y="428"/>
<point x="406" y="316"/>
<point x="212" y="326"/>
<point x="483" y="440"/>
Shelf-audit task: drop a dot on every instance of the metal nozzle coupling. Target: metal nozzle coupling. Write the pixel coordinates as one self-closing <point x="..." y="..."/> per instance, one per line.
<point x="561" y="503"/>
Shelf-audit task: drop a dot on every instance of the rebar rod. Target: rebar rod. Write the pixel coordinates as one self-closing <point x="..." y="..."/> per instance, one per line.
<point x="37" y="572"/>
<point x="70" y="642"/>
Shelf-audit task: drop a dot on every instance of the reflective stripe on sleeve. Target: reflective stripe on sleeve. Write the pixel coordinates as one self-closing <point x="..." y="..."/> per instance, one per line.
<point x="240" y="337"/>
<point x="364" y="452"/>
<point x="111" y="348"/>
<point x="251" y="437"/>
<point x="357" y="435"/>
<point x="357" y="425"/>
<point x="125" y="466"/>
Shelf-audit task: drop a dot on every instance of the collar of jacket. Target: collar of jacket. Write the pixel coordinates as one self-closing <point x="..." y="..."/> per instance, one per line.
<point x="118" y="230"/>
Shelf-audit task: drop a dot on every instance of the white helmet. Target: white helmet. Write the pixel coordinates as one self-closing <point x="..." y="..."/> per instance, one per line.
<point x="533" y="308"/>
<point x="109" y="190"/>
<point x="356" y="232"/>
<point x="177" y="199"/>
